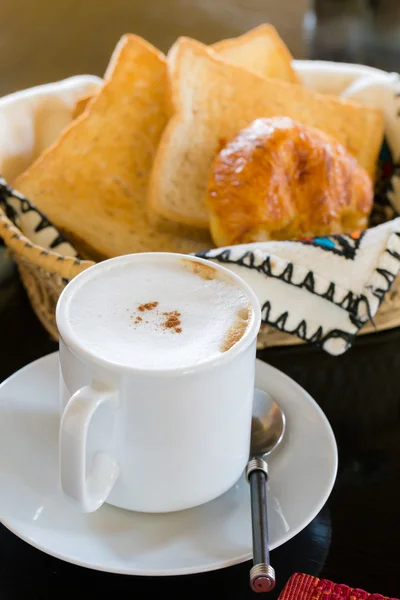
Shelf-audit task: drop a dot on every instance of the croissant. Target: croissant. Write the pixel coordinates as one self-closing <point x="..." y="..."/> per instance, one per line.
<point x="279" y="180"/>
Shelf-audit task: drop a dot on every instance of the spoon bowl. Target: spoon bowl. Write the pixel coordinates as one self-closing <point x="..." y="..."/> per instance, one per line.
<point x="268" y="424"/>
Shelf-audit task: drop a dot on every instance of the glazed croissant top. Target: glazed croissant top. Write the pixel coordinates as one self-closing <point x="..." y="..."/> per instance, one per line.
<point x="281" y="180"/>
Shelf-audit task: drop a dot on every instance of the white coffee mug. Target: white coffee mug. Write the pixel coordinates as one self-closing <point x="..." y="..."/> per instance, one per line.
<point x="154" y="440"/>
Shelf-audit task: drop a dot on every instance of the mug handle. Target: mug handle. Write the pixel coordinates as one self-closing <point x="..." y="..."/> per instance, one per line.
<point x="89" y="490"/>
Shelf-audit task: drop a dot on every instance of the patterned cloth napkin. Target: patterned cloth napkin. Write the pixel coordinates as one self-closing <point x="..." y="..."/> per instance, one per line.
<point x="306" y="587"/>
<point x="322" y="290"/>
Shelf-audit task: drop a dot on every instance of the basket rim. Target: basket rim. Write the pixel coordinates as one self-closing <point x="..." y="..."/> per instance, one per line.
<point x="67" y="267"/>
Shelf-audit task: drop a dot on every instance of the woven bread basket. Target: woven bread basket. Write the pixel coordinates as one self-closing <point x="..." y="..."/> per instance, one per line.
<point x="45" y="272"/>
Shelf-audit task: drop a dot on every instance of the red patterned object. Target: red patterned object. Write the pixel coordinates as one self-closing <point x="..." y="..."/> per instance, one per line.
<point x="306" y="587"/>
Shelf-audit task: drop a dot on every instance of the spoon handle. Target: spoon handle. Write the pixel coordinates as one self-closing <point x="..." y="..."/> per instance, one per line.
<point x="262" y="575"/>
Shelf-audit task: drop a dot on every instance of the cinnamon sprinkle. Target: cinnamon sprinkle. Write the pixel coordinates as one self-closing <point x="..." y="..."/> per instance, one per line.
<point x="147" y="306"/>
<point x="172" y="321"/>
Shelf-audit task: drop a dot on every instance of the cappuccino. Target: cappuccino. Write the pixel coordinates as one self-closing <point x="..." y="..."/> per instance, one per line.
<point x="167" y="344"/>
<point x="159" y="312"/>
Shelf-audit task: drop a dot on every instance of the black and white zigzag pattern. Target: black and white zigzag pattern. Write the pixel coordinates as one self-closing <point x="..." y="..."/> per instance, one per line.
<point x="358" y="306"/>
<point x="289" y="273"/>
<point x="18" y="208"/>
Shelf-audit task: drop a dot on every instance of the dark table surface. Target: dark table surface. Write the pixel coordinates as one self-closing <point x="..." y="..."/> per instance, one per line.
<point x="356" y="537"/>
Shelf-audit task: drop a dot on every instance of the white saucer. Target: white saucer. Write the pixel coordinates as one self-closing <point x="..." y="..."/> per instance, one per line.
<point x="212" y="536"/>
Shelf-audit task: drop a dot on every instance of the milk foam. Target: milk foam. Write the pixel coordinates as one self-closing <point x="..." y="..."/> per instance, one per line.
<point x="165" y="315"/>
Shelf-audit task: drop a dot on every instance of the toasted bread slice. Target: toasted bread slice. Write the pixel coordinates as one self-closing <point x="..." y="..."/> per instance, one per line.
<point x="214" y="100"/>
<point x="92" y="182"/>
<point x="81" y="104"/>
<point x="260" y="50"/>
